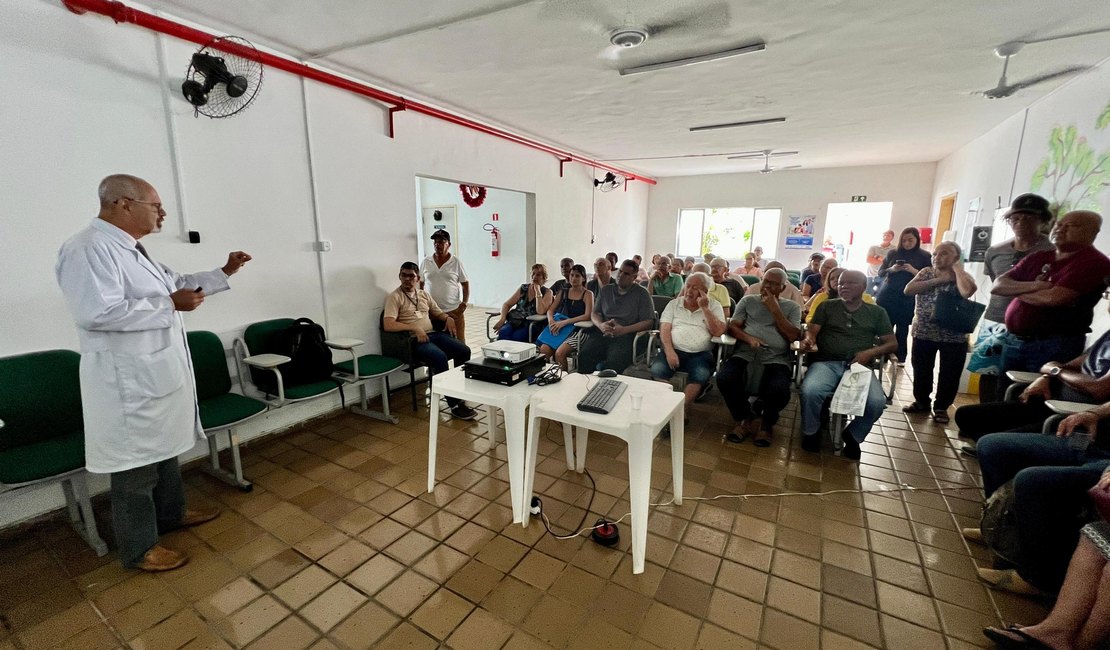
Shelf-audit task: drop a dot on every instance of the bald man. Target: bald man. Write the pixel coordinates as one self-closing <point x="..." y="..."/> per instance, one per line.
<point x="1054" y="292"/>
<point x="137" y="389"/>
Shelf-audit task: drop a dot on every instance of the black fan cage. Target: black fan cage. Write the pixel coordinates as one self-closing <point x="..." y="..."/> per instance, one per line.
<point x="231" y="49"/>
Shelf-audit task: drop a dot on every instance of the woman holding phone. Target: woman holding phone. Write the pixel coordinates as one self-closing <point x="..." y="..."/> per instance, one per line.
<point x="901" y="265"/>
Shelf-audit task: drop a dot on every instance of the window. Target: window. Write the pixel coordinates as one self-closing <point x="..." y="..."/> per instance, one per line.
<point x="728" y="232"/>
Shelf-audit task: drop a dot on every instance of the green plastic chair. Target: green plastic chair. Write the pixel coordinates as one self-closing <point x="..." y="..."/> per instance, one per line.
<point x="42" y="438"/>
<point x="220" y="409"/>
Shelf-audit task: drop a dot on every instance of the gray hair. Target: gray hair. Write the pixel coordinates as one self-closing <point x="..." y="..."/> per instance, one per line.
<point x="120" y="186"/>
<point x="778" y="274"/>
<point x="706" y="280"/>
<point x="956" y="247"/>
<point x="701" y="267"/>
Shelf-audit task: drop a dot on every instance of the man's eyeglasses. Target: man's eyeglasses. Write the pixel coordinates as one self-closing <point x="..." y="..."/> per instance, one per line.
<point x="157" y="206"/>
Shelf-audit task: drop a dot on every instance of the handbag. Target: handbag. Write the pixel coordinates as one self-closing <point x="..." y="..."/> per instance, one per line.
<point x="956" y="313"/>
<point x="546" y="337"/>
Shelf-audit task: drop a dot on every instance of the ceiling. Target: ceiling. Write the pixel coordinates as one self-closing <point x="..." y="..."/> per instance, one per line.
<point x="860" y="81"/>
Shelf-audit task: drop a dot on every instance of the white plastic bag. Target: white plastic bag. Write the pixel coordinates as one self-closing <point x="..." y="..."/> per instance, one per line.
<point x="850" y="397"/>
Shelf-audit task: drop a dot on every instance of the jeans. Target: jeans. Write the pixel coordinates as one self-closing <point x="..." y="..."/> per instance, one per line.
<point x="901" y="334"/>
<point x="600" y="352"/>
<point x="521" y="334"/>
<point x="952" y="357"/>
<point x="1030" y="354"/>
<point x="1051" y="480"/>
<point x="437" y="350"/>
<point x="698" y="366"/>
<point x="820" y="383"/>
<point x="774" y="390"/>
<point x="145" y="501"/>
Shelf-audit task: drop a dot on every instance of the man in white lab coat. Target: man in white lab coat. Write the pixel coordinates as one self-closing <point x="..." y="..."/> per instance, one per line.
<point x="137" y="388"/>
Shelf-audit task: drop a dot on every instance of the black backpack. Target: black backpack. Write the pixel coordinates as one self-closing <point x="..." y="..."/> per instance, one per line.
<point x="310" y="358"/>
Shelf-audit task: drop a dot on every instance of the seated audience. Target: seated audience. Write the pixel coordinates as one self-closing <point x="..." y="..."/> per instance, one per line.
<point x="613" y="261"/>
<point x="641" y="275"/>
<point x="1085" y="378"/>
<point x="409" y="308"/>
<point x="930" y="338"/>
<point x="1080" y="617"/>
<point x="620" y="311"/>
<point x="576" y="303"/>
<point x="688" y="265"/>
<point x="844" y="331"/>
<point x="815" y="260"/>
<point x="764" y="326"/>
<point x="735" y="286"/>
<point x="527" y="300"/>
<point x="814" y="282"/>
<point x="790" y="292"/>
<point x="603" y="275"/>
<point x="1054" y="292"/>
<point x="829" y="290"/>
<point x="751" y="266"/>
<point x="664" y="282"/>
<point x="1051" y="476"/>
<point x="717" y="292"/>
<point x="757" y="253"/>
<point x="685" y="329"/>
<point x="562" y="283"/>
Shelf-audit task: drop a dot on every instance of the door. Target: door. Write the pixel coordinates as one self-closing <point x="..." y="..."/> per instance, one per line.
<point x="944" y="221"/>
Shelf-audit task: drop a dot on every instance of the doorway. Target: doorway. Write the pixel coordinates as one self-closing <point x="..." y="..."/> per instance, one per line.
<point x="944" y="220"/>
<point x="492" y="278"/>
<point x="852" y="228"/>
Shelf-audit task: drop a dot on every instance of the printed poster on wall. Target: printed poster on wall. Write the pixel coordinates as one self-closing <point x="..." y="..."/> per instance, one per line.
<point x="799" y="231"/>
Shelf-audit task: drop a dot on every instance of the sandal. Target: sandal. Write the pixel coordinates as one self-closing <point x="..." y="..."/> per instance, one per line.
<point x="940" y="417"/>
<point x="737" y="435"/>
<point x="1013" y="636"/>
<point x="762" y="439"/>
<point x="916" y="407"/>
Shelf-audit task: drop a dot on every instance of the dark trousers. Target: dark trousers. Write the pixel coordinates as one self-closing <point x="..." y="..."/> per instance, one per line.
<point x="901" y="334"/>
<point x="145" y="501"/>
<point x="1051" y="480"/>
<point x="952" y="356"/>
<point x="440" y="348"/>
<point x="774" y="390"/>
<point x="599" y="352"/>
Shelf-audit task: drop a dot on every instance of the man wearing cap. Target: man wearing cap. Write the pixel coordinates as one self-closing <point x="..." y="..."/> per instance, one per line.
<point x="1054" y="293"/>
<point x="447" y="281"/>
<point x="1028" y="216"/>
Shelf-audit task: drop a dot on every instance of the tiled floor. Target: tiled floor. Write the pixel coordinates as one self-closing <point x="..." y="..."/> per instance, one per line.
<point x="339" y="546"/>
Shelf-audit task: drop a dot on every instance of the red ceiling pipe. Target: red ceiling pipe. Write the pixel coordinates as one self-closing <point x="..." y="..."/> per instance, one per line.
<point x="121" y="13"/>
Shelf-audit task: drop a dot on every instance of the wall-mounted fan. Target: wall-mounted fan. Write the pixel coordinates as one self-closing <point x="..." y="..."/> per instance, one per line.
<point x="766" y="155"/>
<point x="609" y="183"/>
<point x="221" y="81"/>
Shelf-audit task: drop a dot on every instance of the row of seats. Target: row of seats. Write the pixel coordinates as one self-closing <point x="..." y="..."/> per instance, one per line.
<point x="42" y="428"/>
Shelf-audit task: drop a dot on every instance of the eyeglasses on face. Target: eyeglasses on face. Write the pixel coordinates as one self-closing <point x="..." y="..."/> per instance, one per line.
<point x="157" y="206"/>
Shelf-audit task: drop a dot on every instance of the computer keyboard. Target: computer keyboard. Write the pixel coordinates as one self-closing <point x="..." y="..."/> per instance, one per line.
<point x="603" y="397"/>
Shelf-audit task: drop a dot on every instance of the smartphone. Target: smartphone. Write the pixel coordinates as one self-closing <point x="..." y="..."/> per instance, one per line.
<point x="198" y="290"/>
<point x="899" y="261"/>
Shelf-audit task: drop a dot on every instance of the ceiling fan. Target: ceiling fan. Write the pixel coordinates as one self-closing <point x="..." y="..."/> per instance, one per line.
<point x="609" y="183"/>
<point x="1005" y="89"/>
<point x="766" y="155"/>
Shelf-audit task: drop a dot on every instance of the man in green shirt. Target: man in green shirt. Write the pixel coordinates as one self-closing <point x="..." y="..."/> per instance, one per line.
<point x="844" y="331"/>
<point x="662" y="282"/>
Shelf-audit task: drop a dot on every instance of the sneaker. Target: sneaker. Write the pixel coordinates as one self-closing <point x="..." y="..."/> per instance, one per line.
<point x="812" y="443"/>
<point x="851" y="449"/>
<point x="916" y="407"/>
<point x="463" y="412"/>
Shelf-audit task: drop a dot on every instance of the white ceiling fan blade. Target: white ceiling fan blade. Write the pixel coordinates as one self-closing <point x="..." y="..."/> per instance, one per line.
<point x="786" y="168"/>
<point x="749" y="156"/>
<point x="1032" y="81"/>
<point x="1100" y="30"/>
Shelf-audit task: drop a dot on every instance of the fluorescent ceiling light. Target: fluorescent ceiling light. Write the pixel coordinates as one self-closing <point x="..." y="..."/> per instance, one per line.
<point x="651" y="67"/>
<point x="729" y="125"/>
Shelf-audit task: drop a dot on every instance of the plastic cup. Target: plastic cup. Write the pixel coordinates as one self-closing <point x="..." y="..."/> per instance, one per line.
<point x="636" y="399"/>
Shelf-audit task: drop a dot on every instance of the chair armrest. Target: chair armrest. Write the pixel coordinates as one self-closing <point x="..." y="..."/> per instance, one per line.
<point x="1067" y="408"/>
<point x="584" y="324"/>
<point x="343" y="344"/>
<point x="1021" y="377"/>
<point x="537" y="317"/>
<point x="266" y="360"/>
<point x="724" y="339"/>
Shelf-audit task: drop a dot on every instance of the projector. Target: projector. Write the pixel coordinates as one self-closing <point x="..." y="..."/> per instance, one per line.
<point x="510" y="351"/>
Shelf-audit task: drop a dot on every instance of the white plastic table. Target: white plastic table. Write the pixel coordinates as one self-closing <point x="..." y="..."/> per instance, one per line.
<point x="513" y="400"/>
<point x="660" y="406"/>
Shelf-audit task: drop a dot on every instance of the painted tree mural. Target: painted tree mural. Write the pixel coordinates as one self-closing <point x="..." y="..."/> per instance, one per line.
<point x="1073" y="174"/>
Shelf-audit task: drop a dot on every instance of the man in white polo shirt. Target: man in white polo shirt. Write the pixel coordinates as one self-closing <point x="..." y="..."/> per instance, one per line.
<point x="446" y="279"/>
<point x="685" y="329"/>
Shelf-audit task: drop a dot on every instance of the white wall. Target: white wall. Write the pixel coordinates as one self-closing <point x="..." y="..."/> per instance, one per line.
<point x="90" y="104"/>
<point x="804" y="191"/>
<point x="1001" y="164"/>
<point x="493" y="279"/>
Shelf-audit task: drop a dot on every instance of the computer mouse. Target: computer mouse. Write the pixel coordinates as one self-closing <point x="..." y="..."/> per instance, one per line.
<point x="607" y="373"/>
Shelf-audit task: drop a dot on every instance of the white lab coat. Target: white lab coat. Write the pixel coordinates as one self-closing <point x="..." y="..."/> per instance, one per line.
<point x="137" y="390"/>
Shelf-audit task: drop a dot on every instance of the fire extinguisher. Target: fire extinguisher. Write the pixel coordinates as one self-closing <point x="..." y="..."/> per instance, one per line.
<point x="494" y="240"/>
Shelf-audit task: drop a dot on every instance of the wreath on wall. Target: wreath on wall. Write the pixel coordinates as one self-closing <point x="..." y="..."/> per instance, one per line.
<point x="473" y="195"/>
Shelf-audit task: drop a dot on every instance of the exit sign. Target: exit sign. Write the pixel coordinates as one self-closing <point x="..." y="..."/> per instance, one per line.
<point x="859" y="198"/>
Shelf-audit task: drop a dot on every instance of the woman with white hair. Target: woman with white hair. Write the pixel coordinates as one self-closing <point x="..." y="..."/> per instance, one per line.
<point x="930" y="338"/>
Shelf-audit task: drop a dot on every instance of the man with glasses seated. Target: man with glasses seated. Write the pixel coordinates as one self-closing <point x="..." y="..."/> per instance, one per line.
<point x="411" y="309"/>
<point x="620" y="311"/>
<point x="844" y="331"/>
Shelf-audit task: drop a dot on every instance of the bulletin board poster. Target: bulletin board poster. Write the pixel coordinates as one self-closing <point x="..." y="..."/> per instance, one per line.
<point x="799" y="231"/>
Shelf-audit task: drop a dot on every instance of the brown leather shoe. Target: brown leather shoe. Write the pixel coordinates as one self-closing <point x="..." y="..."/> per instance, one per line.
<point x="197" y="517"/>
<point x="160" y="558"/>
